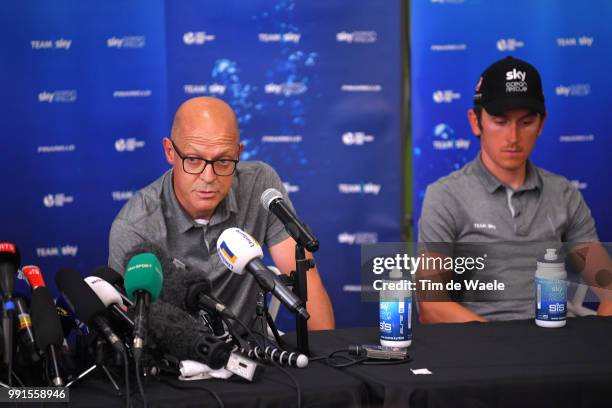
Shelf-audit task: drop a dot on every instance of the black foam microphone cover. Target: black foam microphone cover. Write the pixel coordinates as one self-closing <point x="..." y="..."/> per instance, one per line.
<point x="45" y="321"/>
<point x="181" y="335"/>
<point x="81" y="298"/>
<point x="109" y="274"/>
<point x="181" y="288"/>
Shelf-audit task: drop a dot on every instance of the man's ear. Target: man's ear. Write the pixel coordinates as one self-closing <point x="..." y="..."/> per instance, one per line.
<point x="542" y="124"/>
<point x="240" y="149"/>
<point x="168" y="151"/>
<point x="473" y="120"/>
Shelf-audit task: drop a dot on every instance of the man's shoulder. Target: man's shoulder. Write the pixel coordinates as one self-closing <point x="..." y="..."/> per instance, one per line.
<point x="455" y="182"/>
<point x="554" y="181"/>
<point x="254" y="168"/>
<point x="146" y="202"/>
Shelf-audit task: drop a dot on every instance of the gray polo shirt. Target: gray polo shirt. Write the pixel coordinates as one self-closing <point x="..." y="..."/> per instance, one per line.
<point x="470" y="205"/>
<point x="154" y="215"/>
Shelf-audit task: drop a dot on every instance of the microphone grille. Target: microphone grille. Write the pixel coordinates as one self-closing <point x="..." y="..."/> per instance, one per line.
<point x="268" y="196"/>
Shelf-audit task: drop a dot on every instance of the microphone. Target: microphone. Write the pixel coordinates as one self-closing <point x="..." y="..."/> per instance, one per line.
<point x="68" y="320"/>
<point x="110" y="298"/>
<point x="24" y="328"/>
<point x="143" y="281"/>
<point x="178" y="332"/>
<point x="272" y="200"/>
<point x="34" y="276"/>
<point x="239" y="251"/>
<point x="86" y="305"/>
<point x="114" y="278"/>
<point x="10" y="259"/>
<point x="47" y="330"/>
<point x="278" y="355"/>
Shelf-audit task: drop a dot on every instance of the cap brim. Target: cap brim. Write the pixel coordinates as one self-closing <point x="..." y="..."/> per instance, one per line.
<point x="501" y="106"/>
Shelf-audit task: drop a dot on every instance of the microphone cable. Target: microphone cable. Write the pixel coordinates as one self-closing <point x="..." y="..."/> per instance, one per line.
<point x="126" y="373"/>
<point x="274" y="363"/>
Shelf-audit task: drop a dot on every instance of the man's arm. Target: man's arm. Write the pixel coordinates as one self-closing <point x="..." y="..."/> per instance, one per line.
<point x="595" y="265"/>
<point x="318" y="305"/>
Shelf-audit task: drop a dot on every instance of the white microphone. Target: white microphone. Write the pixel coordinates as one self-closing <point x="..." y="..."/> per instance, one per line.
<point x="110" y="297"/>
<point x="239" y="251"/>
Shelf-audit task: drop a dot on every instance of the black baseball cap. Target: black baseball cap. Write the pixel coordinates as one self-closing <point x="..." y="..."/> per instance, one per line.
<point x="507" y="84"/>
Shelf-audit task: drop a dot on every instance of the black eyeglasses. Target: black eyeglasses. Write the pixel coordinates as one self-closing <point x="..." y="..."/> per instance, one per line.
<point x="197" y="165"/>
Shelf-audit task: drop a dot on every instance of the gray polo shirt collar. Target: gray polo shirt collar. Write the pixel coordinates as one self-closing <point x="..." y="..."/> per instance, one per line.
<point x="182" y="220"/>
<point x="491" y="183"/>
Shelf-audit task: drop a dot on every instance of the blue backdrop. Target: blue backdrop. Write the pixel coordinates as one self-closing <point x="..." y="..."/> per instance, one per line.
<point x="92" y="89"/>
<point x="453" y="41"/>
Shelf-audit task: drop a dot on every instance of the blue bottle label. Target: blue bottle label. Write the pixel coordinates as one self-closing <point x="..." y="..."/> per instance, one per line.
<point x="551" y="299"/>
<point x="395" y="320"/>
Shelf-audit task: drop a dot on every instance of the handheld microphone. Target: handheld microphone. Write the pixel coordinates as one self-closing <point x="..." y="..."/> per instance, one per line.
<point x="86" y="305"/>
<point x="68" y="320"/>
<point x="175" y="330"/>
<point x="47" y="330"/>
<point x="272" y="200"/>
<point x="110" y="298"/>
<point x="10" y="259"/>
<point x="143" y="282"/>
<point x="24" y="328"/>
<point x="239" y="251"/>
<point x="34" y="276"/>
<point x="114" y="278"/>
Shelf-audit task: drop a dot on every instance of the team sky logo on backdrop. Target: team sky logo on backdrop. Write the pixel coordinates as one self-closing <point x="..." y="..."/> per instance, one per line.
<point x="361" y="88"/>
<point x="357" y="37"/>
<point x="573" y="90"/>
<point x="356" y="138"/>
<point x="61" y="96"/>
<point x="582" y="41"/>
<point x="291" y="188"/>
<point x="444" y="139"/>
<point x="576" y="138"/>
<point x="59" y="44"/>
<point x="57" y="200"/>
<point x="361" y="188"/>
<point x="128" y="145"/>
<point x="509" y="44"/>
<point x="197" y="38"/>
<point x="122" y="195"/>
<point x="580" y="185"/>
<point x="281" y="139"/>
<point x="516" y="81"/>
<point x="357" y="238"/>
<point x="60" y="250"/>
<point x="133" y="41"/>
<point x="203" y="89"/>
<point x="445" y="96"/>
<point x="279" y="37"/>
<point x="286" y="89"/>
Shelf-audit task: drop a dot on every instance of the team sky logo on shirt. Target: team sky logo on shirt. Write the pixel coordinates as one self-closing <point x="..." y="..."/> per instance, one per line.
<point x="227" y="253"/>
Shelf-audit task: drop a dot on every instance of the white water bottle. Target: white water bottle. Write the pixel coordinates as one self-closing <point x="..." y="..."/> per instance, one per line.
<point x="551" y="291"/>
<point x="395" y="312"/>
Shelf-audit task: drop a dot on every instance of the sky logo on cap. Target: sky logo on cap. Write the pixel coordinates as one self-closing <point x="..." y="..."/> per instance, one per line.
<point x="515" y="74"/>
<point x="227" y="253"/>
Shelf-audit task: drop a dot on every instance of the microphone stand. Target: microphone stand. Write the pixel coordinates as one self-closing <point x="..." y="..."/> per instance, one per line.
<point x="300" y="288"/>
<point x="99" y="363"/>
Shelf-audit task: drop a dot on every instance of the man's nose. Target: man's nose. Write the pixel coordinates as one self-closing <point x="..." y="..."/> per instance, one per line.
<point x="208" y="175"/>
<point x="512" y="136"/>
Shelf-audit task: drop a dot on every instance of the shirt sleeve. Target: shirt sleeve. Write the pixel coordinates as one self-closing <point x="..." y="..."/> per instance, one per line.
<point x="581" y="225"/>
<point x="122" y="238"/>
<point x="437" y="226"/>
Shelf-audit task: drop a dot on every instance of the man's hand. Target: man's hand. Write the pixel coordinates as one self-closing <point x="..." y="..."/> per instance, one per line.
<point x="318" y="305"/>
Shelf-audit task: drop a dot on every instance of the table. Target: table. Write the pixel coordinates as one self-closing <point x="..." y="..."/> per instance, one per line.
<point x="496" y="364"/>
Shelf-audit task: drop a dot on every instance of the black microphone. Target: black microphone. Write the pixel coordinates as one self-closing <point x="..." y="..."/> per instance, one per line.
<point x="86" y="305"/>
<point x="114" y="278"/>
<point x="24" y="328"/>
<point x="239" y="251"/>
<point x="10" y="259"/>
<point x="272" y="200"/>
<point x="182" y="336"/>
<point x="47" y="330"/>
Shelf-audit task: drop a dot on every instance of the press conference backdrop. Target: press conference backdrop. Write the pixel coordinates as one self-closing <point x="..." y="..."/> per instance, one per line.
<point x="90" y="90"/>
<point x="569" y="42"/>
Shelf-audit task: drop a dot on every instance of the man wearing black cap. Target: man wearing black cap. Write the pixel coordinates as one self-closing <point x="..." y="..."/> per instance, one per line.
<point x="502" y="197"/>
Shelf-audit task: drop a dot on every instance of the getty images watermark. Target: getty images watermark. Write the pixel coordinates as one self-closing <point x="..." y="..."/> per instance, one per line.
<point x="475" y="272"/>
